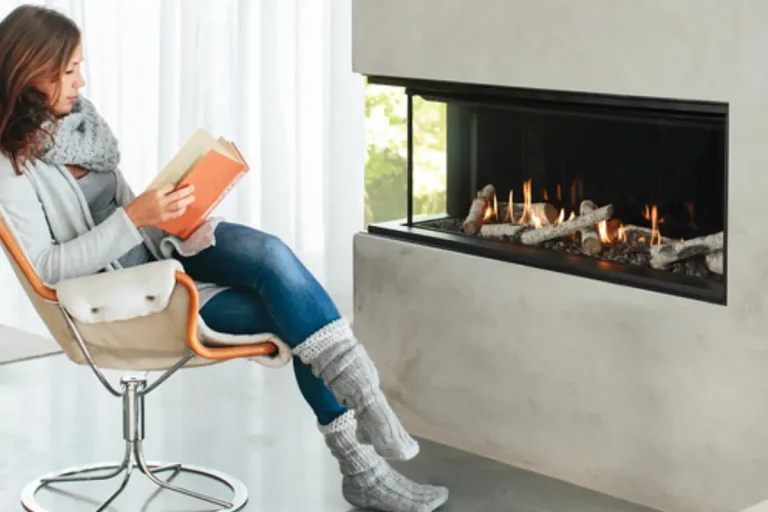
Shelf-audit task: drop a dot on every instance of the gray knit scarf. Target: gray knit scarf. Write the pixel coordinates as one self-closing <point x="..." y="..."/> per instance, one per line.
<point x="81" y="138"/>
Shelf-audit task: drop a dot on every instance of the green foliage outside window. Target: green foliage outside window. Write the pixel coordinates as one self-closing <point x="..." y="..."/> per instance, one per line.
<point x="386" y="140"/>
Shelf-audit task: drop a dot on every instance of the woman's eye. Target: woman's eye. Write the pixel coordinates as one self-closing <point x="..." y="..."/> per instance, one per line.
<point x="69" y="71"/>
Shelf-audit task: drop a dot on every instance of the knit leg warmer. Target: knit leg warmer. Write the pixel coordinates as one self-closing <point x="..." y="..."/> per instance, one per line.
<point x="335" y="355"/>
<point x="368" y="481"/>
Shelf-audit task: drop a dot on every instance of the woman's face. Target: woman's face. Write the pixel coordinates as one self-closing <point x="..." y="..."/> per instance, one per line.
<point x="69" y="86"/>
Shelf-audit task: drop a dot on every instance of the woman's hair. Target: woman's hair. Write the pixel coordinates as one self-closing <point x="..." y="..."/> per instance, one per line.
<point x="36" y="44"/>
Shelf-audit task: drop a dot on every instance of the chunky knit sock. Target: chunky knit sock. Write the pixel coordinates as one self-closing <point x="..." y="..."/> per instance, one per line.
<point x="342" y="362"/>
<point x="368" y="481"/>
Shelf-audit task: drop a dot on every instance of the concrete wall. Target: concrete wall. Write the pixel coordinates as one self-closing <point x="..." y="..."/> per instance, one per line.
<point x="656" y="399"/>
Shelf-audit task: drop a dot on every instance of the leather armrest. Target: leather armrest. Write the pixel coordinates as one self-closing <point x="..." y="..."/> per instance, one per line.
<point x="144" y="290"/>
<point x="119" y="294"/>
<point x="265" y="348"/>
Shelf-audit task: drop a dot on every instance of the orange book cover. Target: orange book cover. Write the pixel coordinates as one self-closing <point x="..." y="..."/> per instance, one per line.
<point x="213" y="166"/>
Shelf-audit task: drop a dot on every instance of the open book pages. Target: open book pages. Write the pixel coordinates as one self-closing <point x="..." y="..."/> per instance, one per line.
<point x="190" y="154"/>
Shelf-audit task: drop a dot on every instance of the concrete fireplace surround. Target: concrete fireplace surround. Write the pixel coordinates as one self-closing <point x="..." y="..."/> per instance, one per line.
<point x="656" y="399"/>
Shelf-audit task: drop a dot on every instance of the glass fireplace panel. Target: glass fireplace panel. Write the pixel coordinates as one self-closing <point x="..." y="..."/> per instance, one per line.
<point x="628" y="190"/>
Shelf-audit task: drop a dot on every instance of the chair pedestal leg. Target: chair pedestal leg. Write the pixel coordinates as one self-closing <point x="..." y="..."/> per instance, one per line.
<point x="133" y="434"/>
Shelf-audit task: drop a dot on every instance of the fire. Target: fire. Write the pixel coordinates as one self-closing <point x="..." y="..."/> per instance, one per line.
<point x="559" y="193"/>
<point x="492" y="211"/>
<point x="526" y="218"/>
<point x="652" y="214"/>
<point x="603" y="230"/>
<point x="535" y="215"/>
<point x="611" y="232"/>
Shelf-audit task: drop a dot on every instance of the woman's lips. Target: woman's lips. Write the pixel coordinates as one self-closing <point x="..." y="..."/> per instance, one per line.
<point x="71" y="99"/>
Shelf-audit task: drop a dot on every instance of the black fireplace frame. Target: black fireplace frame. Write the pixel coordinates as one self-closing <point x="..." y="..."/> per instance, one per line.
<point x="413" y="230"/>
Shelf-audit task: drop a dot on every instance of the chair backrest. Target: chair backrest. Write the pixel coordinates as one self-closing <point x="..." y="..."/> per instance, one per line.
<point x="43" y="297"/>
<point x="116" y="345"/>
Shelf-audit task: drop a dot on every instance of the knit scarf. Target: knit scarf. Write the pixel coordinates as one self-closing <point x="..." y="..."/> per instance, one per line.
<point x="81" y="138"/>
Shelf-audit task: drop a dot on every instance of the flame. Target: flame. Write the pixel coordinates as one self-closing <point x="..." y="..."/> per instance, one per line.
<point x="655" y="234"/>
<point x="573" y="216"/>
<point x="546" y="195"/>
<point x="603" y="230"/>
<point x="652" y="214"/>
<point x="535" y="221"/>
<point x="526" y="218"/>
<point x="559" y="193"/>
<point x="622" y="234"/>
<point x="491" y="211"/>
<point x="510" y="213"/>
<point x="561" y="218"/>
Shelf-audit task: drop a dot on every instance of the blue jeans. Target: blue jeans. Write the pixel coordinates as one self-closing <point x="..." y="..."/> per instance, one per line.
<point x="272" y="292"/>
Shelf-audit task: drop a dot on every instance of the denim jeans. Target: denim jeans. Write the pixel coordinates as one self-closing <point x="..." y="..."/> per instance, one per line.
<point x="272" y="292"/>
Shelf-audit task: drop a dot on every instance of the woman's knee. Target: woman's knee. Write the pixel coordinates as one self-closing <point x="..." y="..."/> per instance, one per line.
<point x="268" y="252"/>
<point x="239" y="238"/>
<point x="276" y="250"/>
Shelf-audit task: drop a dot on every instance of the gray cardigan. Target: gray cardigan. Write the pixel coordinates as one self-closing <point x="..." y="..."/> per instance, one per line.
<point x="50" y="215"/>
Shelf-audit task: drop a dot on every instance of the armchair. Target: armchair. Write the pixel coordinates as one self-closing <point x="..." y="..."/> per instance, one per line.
<point x="139" y="319"/>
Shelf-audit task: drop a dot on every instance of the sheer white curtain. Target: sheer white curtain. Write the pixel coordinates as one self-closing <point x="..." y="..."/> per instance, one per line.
<point x="272" y="75"/>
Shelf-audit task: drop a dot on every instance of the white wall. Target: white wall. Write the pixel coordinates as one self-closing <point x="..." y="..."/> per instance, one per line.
<point x="657" y="399"/>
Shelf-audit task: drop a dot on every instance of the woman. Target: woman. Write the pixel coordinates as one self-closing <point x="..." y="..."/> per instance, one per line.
<point x="61" y="190"/>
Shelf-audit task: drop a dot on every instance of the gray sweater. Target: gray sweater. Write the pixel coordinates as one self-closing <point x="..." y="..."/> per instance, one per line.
<point x="50" y="215"/>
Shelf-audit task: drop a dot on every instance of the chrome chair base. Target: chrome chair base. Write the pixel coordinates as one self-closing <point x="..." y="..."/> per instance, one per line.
<point x="133" y="391"/>
<point x="111" y="470"/>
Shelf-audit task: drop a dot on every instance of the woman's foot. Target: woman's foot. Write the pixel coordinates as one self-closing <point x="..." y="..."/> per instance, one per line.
<point x="368" y="481"/>
<point x="341" y="361"/>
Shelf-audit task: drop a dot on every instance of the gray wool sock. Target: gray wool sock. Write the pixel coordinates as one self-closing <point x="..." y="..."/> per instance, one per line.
<point x="341" y="361"/>
<point x="368" y="481"/>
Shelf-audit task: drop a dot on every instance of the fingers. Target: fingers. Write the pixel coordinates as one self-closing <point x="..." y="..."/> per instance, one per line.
<point x="182" y="204"/>
<point x="174" y="214"/>
<point x="165" y="190"/>
<point x="177" y="208"/>
<point x="176" y="195"/>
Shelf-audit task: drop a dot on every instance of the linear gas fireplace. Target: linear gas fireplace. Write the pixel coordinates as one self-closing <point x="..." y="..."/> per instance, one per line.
<point x="627" y="190"/>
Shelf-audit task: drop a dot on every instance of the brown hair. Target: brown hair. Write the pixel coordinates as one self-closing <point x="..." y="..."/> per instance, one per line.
<point x="36" y="44"/>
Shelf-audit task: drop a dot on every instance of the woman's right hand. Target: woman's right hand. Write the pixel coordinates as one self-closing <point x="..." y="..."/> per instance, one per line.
<point x="156" y="206"/>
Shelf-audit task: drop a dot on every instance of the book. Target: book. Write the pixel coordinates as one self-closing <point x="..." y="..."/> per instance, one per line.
<point x="213" y="166"/>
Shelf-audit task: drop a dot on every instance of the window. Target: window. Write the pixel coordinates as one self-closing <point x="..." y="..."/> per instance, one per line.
<point x="386" y="142"/>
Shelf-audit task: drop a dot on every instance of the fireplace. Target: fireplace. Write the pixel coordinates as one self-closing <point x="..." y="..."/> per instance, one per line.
<point x="629" y="190"/>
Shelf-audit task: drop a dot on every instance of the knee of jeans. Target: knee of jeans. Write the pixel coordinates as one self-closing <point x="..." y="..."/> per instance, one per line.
<point x="277" y="253"/>
<point x="282" y="260"/>
<point x="275" y="249"/>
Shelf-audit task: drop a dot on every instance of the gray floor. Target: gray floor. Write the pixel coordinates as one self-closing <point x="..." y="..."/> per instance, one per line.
<point x="17" y="345"/>
<point x="236" y="417"/>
